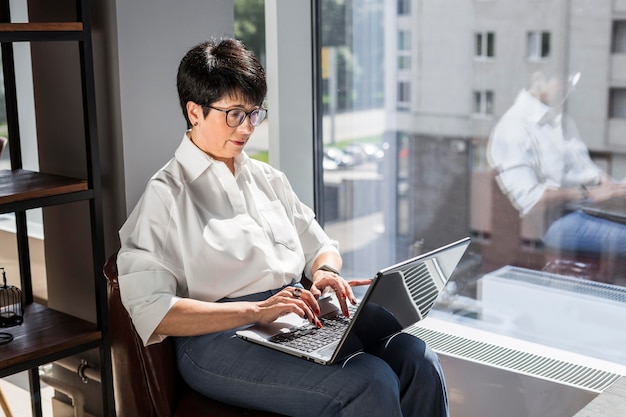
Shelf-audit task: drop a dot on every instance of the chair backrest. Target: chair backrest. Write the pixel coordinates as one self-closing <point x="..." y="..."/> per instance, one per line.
<point x="144" y="378"/>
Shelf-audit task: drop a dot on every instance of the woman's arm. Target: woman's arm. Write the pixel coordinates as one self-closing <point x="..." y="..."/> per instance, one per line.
<point x="189" y="317"/>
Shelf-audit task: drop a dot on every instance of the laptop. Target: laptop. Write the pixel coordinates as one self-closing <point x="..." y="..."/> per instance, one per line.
<point x="613" y="209"/>
<point x="398" y="297"/>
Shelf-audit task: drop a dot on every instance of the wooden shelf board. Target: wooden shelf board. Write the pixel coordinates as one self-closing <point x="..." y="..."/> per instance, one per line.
<point x="42" y="27"/>
<point x="20" y="185"/>
<point x="45" y="333"/>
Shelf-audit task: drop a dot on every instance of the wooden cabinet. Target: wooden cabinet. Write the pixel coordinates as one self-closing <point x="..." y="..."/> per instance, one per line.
<point x="48" y="335"/>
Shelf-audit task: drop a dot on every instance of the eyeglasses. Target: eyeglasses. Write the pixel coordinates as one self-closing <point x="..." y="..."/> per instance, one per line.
<point x="235" y="117"/>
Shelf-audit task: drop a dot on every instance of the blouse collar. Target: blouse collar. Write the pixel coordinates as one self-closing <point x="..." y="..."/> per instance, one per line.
<point x="194" y="161"/>
<point x="533" y="109"/>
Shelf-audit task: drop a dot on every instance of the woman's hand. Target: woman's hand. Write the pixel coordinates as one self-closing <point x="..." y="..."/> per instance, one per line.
<point x="606" y="190"/>
<point x="343" y="289"/>
<point x="289" y="300"/>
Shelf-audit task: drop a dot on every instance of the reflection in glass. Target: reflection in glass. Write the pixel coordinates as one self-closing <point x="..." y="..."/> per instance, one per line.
<point x="432" y="121"/>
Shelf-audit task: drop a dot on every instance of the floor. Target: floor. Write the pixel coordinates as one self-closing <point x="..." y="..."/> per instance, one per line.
<point x="15" y="391"/>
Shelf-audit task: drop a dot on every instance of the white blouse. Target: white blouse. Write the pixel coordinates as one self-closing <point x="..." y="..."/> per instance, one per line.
<point x="534" y="150"/>
<point x="200" y="232"/>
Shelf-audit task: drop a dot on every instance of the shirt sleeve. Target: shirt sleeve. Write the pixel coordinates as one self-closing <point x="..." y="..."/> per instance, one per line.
<point x="512" y="155"/>
<point x="147" y="293"/>
<point x="146" y="274"/>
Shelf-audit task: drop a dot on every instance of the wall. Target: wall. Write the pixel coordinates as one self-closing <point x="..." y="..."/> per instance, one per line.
<point x="152" y="37"/>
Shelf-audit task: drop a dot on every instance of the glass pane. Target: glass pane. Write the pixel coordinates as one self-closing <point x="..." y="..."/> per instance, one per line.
<point x="619" y="37"/>
<point x="404" y="62"/>
<point x="533" y="44"/>
<point x="404" y="7"/>
<point x="478" y="41"/>
<point x="404" y="40"/>
<point x="489" y="102"/>
<point x="401" y="180"/>
<point x="618" y="103"/>
<point x="545" y="44"/>
<point x="477" y="102"/>
<point x="490" y="44"/>
<point x="250" y="29"/>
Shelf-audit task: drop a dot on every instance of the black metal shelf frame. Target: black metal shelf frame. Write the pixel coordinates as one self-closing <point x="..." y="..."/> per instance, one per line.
<point x="93" y="194"/>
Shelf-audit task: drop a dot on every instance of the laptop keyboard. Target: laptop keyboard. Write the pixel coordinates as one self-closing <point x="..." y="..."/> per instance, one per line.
<point x="309" y="338"/>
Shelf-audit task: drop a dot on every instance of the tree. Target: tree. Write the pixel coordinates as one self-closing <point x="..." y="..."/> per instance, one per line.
<point x="250" y="25"/>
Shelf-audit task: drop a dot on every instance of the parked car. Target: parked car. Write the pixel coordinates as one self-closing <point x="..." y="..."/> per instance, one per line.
<point x="372" y="151"/>
<point x="339" y="157"/>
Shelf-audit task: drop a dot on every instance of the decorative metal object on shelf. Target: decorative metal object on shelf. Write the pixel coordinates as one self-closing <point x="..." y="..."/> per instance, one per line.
<point x="11" y="308"/>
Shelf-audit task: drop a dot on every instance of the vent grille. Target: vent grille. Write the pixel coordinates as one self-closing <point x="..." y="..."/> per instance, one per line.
<point x="528" y="363"/>
<point x="574" y="285"/>
<point x="421" y="286"/>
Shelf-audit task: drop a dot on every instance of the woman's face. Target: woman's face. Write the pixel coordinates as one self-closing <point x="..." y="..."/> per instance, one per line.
<point x="213" y="135"/>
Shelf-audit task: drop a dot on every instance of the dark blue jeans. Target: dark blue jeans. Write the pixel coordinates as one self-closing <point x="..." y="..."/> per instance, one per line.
<point x="398" y="377"/>
<point x="580" y="232"/>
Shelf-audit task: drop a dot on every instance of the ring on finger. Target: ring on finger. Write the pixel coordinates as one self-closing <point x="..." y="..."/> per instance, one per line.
<point x="297" y="292"/>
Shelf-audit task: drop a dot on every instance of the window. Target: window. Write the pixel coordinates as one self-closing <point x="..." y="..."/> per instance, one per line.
<point x="404" y="40"/>
<point x="250" y="29"/>
<point x="484" y="45"/>
<point x="404" y="92"/>
<point x="404" y="62"/>
<point x="538" y="45"/>
<point x="404" y="7"/>
<point x="483" y="102"/>
<point x="415" y="172"/>
<point x="619" y="37"/>
<point x="404" y="50"/>
<point x="617" y="103"/>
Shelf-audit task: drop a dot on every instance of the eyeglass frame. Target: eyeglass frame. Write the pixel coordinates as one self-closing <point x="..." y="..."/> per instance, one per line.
<point x="246" y="113"/>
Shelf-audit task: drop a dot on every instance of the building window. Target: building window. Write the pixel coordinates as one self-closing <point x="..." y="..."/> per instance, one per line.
<point x="484" y="45"/>
<point x="404" y="62"/>
<point x="619" y="37"/>
<point x="404" y="40"/>
<point x="483" y="102"/>
<point x="404" y="7"/>
<point x="404" y="92"/>
<point x="538" y="45"/>
<point x="617" y="103"/>
<point x="404" y="50"/>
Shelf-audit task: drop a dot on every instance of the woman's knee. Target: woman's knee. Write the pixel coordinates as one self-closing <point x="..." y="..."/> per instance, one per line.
<point x="411" y="358"/>
<point x="372" y="385"/>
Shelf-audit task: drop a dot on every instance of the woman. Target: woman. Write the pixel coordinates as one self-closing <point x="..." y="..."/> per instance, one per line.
<point x="219" y="241"/>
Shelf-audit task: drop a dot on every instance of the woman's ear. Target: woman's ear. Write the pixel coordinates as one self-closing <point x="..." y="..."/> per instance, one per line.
<point x="194" y="112"/>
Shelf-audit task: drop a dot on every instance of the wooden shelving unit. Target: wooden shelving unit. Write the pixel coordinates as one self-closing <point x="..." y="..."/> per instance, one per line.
<point x="22" y="189"/>
<point x="46" y="334"/>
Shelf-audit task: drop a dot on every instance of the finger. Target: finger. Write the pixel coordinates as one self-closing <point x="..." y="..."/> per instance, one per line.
<point x="308" y="313"/>
<point x="315" y="291"/>
<point x="359" y="282"/>
<point x="356" y="283"/>
<point x="307" y="298"/>
<point x="342" y="304"/>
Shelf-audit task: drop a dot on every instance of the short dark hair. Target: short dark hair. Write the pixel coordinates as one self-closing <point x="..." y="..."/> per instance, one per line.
<point x="214" y="69"/>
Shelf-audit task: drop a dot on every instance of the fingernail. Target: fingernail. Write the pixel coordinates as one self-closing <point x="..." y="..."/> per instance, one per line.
<point x="318" y="323"/>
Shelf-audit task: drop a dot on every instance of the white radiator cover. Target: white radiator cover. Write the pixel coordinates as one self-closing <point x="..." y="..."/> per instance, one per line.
<point x="541" y="345"/>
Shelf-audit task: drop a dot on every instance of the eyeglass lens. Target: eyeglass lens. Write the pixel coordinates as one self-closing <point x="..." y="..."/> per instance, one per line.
<point x="236" y="117"/>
